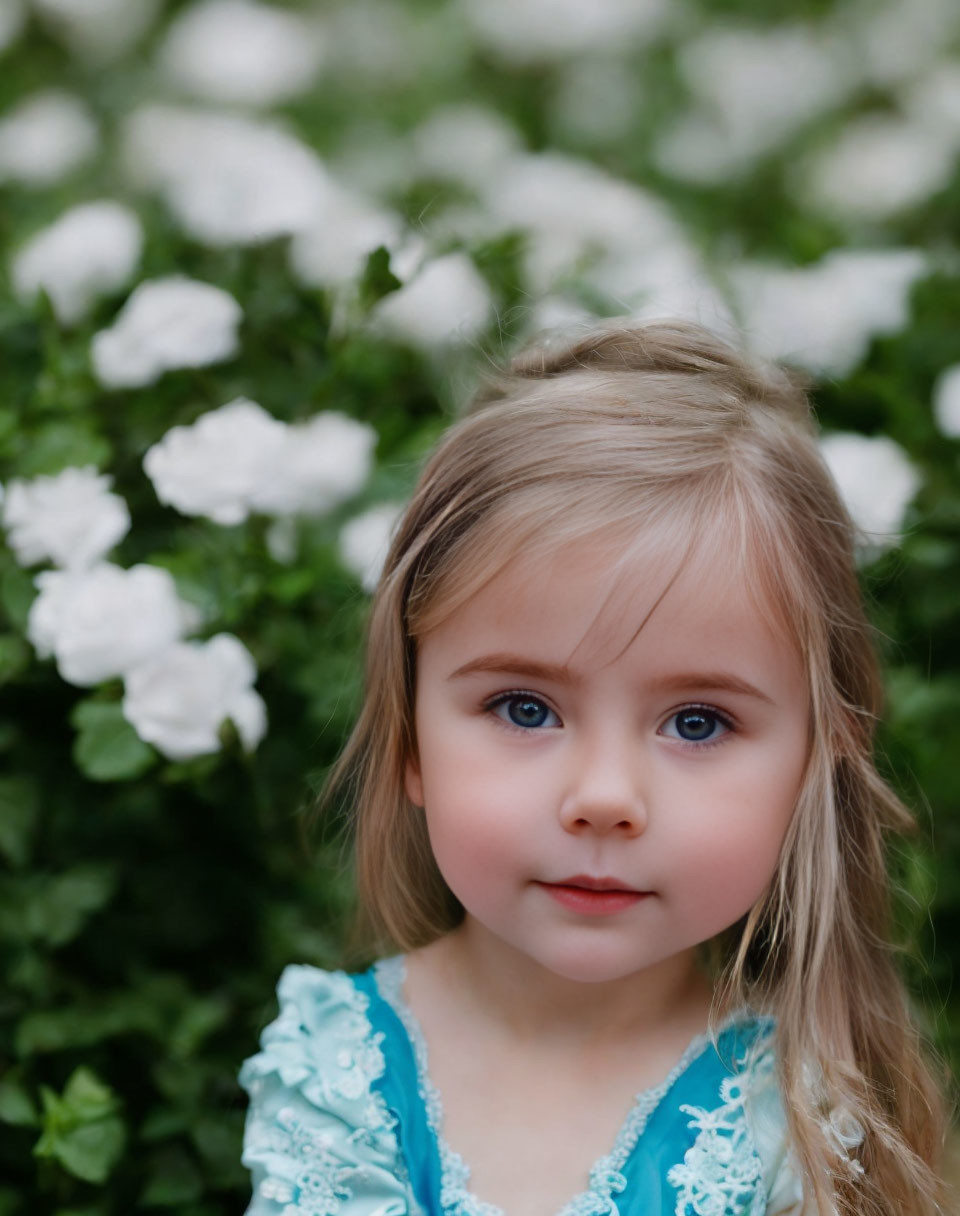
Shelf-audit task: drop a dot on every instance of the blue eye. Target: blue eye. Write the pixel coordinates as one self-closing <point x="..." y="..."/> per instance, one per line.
<point x="698" y="724"/>
<point x="523" y="710"/>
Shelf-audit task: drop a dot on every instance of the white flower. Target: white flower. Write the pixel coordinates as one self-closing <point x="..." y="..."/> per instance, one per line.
<point x="876" y="481"/>
<point x="465" y="143"/>
<point x="447" y="302"/>
<point x="946" y="401"/>
<point x="101" y="622"/>
<point x="877" y="166"/>
<point x="228" y="179"/>
<point x="165" y="324"/>
<point x="98" y="30"/>
<point x="365" y="539"/>
<point x="179" y="700"/>
<point x="44" y="138"/>
<point x="70" y="518"/>
<point x="321" y="463"/>
<point x="332" y="250"/>
<point x="89" y="251"/>
<point x="933" y="102"/>
<point x="241" y="51"/>
<point x="215" y="466"/>
<point x="13" y="15"/>
<point x="823" y="317"/>
<point x="596" y="99"/>
<point x="752" y="88"/>
<point x="666" y="282"/>
<point x="529" y="31"/>
<point x="569" y="208"/>
<point x="891" y="41"/>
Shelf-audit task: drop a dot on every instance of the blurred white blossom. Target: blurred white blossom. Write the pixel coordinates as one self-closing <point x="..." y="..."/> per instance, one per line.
<point x="569" y="208"/>
<point x="843" y="1132"/>
<point x="668" y="281"/>
<point x="946" y="401"/>
<point x="69" y="518"/>
<point x="91" y="250"/>
<point x="101" y="622"/>
<point x="824" y="316"/>
<point x="876" y="166"/>
<point x="891" y="41"/>
<point x="322" y="462"/>
<point x="365" y="539"/>
<point x="228" y="179"/>
<point x="597" y="98"/>
<point x="165" y="324"/>
<point x="448" y="301"/>
<point x="333" y="249"/>
<point x="875" y="479"/>
<point x="214" y="467"/>
<point x="45" y="137"/>
<point x="529" y="31"/>
<point x="239" y="459"/>
<point x="98" y="30"/>
<point x="179" y="700"/>
<point x="466" y="143"/>
<point x="240" y="51"/>
<point x="752" y="88"/>
<point x="933" y="101"/>
<point x="13" y="14"/>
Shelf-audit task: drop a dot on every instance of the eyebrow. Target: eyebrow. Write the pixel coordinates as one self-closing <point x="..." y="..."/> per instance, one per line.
<point x="508" y="664"/>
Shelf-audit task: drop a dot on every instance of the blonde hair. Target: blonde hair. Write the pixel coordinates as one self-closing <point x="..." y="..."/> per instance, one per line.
<point x="665" y="425"/>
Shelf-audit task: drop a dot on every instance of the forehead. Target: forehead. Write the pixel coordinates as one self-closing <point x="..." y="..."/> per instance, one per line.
<point x="593" y="601"/>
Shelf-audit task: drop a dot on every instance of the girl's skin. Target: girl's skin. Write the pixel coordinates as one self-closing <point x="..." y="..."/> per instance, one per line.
<point x="604" y="776"/>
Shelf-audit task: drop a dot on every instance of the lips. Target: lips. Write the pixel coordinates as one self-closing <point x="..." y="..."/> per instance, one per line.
<point x="588" y="883"/>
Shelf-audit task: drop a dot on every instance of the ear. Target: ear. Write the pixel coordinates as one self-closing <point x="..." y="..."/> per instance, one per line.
<point x="412" y="782"/>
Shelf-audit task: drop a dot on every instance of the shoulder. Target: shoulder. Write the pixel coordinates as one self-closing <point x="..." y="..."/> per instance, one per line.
<point x="740" y="1162"/>
<point x="318" y="1131"/>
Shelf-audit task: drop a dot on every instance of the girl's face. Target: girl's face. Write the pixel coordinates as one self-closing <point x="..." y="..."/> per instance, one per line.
<point x="552" y="746"/>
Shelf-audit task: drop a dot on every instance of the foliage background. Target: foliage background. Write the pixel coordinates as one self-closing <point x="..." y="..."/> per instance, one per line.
<point x="146" y="906"/>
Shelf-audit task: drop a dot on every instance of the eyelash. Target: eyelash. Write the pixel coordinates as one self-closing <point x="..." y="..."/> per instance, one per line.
<point x="504" y="698"/>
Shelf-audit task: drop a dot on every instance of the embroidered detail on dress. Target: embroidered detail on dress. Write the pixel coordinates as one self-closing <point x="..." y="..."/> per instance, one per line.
<point x="315" y="1178"/>
<point x="606" y="1178"/>
<point x="721" y="1173"/>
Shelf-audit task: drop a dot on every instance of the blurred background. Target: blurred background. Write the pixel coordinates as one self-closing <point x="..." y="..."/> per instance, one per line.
<point x="251" y="258"/>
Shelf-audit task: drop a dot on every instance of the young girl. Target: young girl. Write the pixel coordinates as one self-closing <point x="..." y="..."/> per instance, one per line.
<point x="619" y="833"/>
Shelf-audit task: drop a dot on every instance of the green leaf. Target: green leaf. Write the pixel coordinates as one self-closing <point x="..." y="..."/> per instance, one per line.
<point x="16" y="1105"/>
<point x="14" y="657"/>
<point x="38" y="907"/>
<point x="200" y="1019"/>
<point x="128" y="1012"/>
<point x="81" y="1129"/>
<point x="17" y="594"/>
<point x="377" y="280"/>
<point x="19" y="804"/>
<point x="60" y="445"/>
<point x="107" y="747"/>
<point x="173" y="1179"/>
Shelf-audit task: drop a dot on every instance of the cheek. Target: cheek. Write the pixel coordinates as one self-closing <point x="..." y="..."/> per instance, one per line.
<point x="728" y="855"/>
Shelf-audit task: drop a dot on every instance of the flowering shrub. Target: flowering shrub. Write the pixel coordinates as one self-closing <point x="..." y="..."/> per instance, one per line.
<point x="252" y="253"/>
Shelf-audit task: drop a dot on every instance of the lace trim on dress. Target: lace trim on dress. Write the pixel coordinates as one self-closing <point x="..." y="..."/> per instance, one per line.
<point x="606" y="1177"/>
<point x="721" y="1173"/>
<point x="315" y="1177"/>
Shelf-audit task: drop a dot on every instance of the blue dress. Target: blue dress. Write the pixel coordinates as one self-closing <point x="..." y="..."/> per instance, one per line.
<point x="344" y="1119"/>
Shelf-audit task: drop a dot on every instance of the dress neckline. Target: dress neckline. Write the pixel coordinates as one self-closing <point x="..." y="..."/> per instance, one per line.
<point x="605" y="1176"/>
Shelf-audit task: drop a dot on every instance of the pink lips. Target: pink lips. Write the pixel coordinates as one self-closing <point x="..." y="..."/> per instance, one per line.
<point x="594" y="884"/>
<point x="594" y="896"/>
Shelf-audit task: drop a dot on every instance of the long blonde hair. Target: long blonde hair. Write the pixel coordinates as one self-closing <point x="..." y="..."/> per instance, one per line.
<point x="665" y="425"/>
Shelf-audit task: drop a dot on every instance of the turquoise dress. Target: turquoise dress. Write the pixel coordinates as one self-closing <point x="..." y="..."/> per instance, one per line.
<point x="344" y="1119"/>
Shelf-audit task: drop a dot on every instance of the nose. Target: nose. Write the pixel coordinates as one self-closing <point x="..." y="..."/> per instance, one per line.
<point x="606" y="788"/>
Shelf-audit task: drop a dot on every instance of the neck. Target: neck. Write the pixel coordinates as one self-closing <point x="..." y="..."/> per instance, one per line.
<point x="518" y="998"/>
